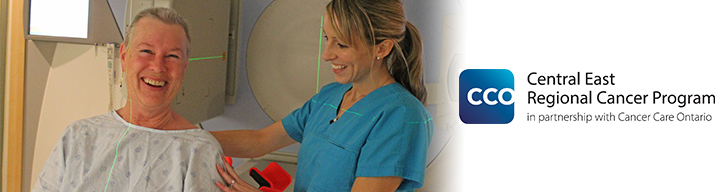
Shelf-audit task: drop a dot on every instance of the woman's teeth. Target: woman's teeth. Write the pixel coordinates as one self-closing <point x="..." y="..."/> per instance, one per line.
<point x="338" y="66"/>
<point x="154" y="82"/>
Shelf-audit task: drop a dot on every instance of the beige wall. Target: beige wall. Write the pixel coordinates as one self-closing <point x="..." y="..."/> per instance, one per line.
<point x="36" y="78"/>
<point x="65" y="82"/>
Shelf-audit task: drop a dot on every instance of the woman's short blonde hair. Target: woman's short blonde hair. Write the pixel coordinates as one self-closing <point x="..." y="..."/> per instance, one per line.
<point x="163" y="14"/>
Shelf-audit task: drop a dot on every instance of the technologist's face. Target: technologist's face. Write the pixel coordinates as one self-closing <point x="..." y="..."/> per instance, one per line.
<point x="350" y="64"/>
<point x="155" y="63"/>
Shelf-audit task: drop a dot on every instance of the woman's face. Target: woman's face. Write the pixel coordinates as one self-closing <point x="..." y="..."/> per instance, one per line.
<point x="155" y="63"/>
<point x="350" y="64"/>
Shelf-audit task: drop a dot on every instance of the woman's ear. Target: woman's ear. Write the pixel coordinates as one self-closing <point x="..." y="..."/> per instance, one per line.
<point x="123" y="57"/>
<point x="384" y="48"/>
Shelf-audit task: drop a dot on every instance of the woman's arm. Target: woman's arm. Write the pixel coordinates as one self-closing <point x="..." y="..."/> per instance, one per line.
<point x="376" y="183"/>
<point x="253" y="143"/>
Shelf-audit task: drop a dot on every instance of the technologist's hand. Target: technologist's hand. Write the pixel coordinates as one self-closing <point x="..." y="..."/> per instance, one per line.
<point x="231" y="177"/>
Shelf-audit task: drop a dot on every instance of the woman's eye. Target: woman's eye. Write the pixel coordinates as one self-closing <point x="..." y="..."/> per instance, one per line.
<point x="173" y="56"/>
<point x="147" y="51"/>
<point x="341" y="45"/>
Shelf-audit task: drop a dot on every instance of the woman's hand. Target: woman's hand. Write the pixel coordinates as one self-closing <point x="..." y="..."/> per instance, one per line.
<point x="231" y="177"/>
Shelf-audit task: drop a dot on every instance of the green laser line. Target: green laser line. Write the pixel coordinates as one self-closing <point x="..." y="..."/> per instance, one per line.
<point x="346" y="111"/>
<point x="343" y="110"/>
<point x="319" y="53"/>
<point x="130" y="108"/>
<point x="202" y="58"/>
<point x="424" y="122"/>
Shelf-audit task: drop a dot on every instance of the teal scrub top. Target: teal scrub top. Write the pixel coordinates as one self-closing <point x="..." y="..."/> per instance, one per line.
<point x="386" y="133"/>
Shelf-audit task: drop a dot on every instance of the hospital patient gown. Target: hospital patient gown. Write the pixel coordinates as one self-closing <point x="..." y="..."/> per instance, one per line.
<point x="147" y="159"/>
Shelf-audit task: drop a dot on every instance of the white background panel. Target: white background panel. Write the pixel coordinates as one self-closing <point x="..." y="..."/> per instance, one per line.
<point x="675" y="47"/>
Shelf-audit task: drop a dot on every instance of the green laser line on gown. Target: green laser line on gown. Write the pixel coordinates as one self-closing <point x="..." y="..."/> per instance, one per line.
<point x="130" y="119"/>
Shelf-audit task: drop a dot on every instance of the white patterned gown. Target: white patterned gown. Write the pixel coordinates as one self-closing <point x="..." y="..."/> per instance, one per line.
<point x="147" y="159"/>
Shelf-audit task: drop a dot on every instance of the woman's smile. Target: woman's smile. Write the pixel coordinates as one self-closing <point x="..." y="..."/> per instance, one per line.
<point x="338" y="68"/>
<point x="153" y="83"/>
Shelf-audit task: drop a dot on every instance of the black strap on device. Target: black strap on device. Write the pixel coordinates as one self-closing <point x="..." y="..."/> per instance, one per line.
<point x="259" y="179"/>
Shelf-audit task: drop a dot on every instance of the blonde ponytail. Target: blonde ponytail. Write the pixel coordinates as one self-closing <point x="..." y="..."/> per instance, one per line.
<point x="406" y="63"/>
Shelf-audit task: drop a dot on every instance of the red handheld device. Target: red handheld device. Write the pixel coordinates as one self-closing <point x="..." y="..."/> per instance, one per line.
<point x="271" y="179"/>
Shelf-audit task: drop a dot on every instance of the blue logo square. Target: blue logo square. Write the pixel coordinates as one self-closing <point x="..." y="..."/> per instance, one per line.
<point x="486" y="96"/>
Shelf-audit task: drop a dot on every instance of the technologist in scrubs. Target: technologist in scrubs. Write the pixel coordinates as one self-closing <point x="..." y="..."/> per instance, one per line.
<point x="369" y="131"/>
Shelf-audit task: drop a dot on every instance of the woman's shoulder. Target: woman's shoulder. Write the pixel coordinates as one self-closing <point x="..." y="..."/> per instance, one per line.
<point x="91" y="126"/>
<point x="397" y="98"/>
<point x="396" y="95"/>
<point x="101" y="120"/>
<point x="193" y="138"/>
<point x="94" y="119"/>
<point x="200" y="136"/>
<point x="197" y="141"/>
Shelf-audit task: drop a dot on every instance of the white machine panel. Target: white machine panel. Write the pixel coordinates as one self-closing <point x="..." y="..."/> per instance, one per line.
<point x="283" y="57"/>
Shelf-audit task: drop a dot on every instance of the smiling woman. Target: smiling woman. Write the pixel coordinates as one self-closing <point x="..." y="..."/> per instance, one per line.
<point x="145" y="145"/>
<point x="369" y="130"/>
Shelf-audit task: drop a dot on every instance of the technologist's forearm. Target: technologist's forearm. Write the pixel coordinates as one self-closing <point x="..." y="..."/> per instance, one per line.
<point x="240" y="143"/>
<point x="253" y="143"/>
